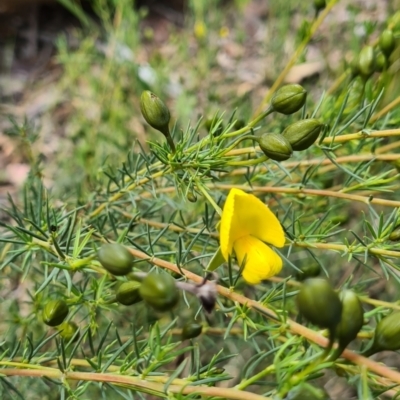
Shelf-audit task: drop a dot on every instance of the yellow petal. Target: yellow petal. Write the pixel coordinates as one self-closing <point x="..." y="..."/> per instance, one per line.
<point x="244" y="214"/>
<point x="261" y="261"/>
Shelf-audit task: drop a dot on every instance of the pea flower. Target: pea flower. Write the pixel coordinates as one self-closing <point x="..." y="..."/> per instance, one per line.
<point x="247" y="223"/>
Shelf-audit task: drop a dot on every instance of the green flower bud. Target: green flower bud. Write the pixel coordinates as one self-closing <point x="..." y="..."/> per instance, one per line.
<point x="395" y="235"/>
<point x="302" y="134"/>
<point x="67" y="330"/>
<point x="275" y="146"/>
<point x="128" y="293"/>
<point x="387" y="334"/>
<point x="305" y="391"/>
<point x="54" y="312"/>
<point x="191" y="197"/>
<point x="155" y="112"/>
<point x="319" y="5"/>
<point x="115" y="258"/>
<point x="319" y="303"/>
<point x="159" y="291"/>
<point x="387" y="42"/>
<point x="191" y="330"/>
<point x="239" y="124"/>
<point x="352" y="318"/>
<point x="289" y="99"/>
<point x="366" y="61"/>
<point x="381" y="63"/>
<point x="308" y="271"/>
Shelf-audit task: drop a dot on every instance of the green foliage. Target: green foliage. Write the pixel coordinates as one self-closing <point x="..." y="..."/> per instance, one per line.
<point x="336" y="198"/>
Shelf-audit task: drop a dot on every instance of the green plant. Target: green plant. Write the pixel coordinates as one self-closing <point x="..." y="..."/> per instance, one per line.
<point x="169" y="206"/>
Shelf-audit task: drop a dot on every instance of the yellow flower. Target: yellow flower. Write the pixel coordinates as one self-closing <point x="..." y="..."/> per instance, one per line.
<point x="247" y="223"/>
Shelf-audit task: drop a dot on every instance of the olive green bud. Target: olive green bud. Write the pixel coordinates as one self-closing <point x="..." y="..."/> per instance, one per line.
<point x="305" y="391"/>
<point x="128" y="293"/>
<point x="155" y="112"/>
<point x="319" y="303"/>
<point x="289" y="99"/>
<point x="387" y="42"/>
<point x="191" y="330"/>
<point x="387" y="334"/>
<point x="395" y="235"/>
<point x="239" y="124"/>
<point x="319" y="5"/>
<point x="352" y="318"/>
<point x="115" y="258"/>
<point x="67" y="330"/>
<point x="308" y="271"/>
<point x="54" y="312"/>
<point x="381" y="63"/>
<point x="366" y="61"/>
<point x="191" y="197"/>
<point x="275" y="146"/>
<point x="159" y="291"/>
<point x="302" y="134"/>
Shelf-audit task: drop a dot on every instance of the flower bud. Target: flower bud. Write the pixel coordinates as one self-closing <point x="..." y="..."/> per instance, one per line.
<point x="387" y="334"/>
<point x="319" y="303"/>
<point x="366" y="61"/>
<point x="128" y="293"/>
<point x="67" y="330"/>
<point x="155" y="112"/>
<point x="386" y="42"/>
<point x="239" y="124"/>
<point x="302" y="134"/>
<point x="191" y="196"/>
<point x="305" y="391"/>
<point x="115" y="258"/>
<point x="159" y="291"/>
<point x="352" y="318"/>
<point x="275" y="146"/>
<point x="191" y="330"/>
<point x="289" y="99"/>
<point x="54" y="312"/>
<point x="395" y="235"/>
<point x="319" y="5"/>
<point x="354" y="67"/>
<point x="381" y="63"/>
<point x="308" y="271"/>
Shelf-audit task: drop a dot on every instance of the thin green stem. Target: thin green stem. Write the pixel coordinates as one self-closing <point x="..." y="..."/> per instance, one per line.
<point x="207" y="195"/>
<point x="244" y="384"/>
<point x="247" y="163"/>
<point x="121" y="193"/>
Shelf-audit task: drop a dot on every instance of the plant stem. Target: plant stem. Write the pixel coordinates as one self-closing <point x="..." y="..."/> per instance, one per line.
<point x="134" y="382"/>
<point x="386" y="109"/>
<point x="244" y="384"/>
<point x="121" y="193"/>
<point x="294" y="327"/>
<point x="206" y="194"/>
<point x="311" y="192"/>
